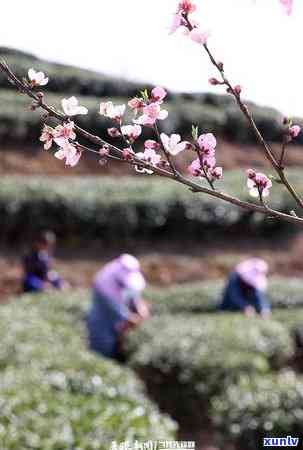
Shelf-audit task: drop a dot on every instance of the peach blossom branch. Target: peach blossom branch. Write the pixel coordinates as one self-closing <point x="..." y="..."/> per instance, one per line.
<point x="246" y="112"/>
<point x="96" y="140"/>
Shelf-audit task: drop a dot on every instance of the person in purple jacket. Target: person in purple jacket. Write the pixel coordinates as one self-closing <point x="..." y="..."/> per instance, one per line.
<point x="116" y="306"/>
<point x="245" y="289"/>
<point x="37" y="265"/>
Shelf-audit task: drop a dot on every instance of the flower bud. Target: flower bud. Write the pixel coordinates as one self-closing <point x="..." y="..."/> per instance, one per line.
<point x="251" y="174"/>
<point x="213" y="81"/>
<point x="104" y="151"/>
<point x="127" y="154"/>
<point x="113" y="132"/>
<point x="238" y="89"/>
<point x="294" y="131"/>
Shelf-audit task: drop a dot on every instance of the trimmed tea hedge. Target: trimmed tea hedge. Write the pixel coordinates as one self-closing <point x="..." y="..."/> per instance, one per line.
<point x="204" y="297"/>
<point x="222" y="368"/>
<point x="208" y="352"/>
<point x="55" y="395"/>
<point x="286" y="295"/>
<point x="269" y="406"/>
<point x="135" y="207"/>
<point x="18" y="125"/>
<point x="196" y="365"/>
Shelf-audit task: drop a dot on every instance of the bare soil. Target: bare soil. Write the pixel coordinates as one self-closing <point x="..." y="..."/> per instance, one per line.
<point x="36" y="161"/>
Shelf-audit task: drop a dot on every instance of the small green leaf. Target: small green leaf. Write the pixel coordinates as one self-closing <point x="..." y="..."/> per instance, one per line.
<point x="194" y="132"/>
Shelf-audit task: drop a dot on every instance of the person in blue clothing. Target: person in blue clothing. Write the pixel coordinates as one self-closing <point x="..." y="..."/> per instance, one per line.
<point x="37" y="265"/>
<point x="245" y="289"/>
<point x="117" y="305"/>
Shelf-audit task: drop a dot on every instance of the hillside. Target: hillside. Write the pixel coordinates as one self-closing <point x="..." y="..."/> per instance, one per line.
<point x="216" y="113"/>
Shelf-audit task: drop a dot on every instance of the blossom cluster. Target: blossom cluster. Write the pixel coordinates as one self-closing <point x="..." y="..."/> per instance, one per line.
<point x="258" y="184"/>
<point x="190" y="29"/>
<point x="62" y="135"/>
<point x="205" y="165"/>
<point x="288" y="5"/>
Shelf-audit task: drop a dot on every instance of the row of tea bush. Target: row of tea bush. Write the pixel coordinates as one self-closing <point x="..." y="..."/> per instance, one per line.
<point x="127" y="208"/>
<point x="216" y="113"/>
<point x="55" y="395"/>
<point x="236" y="372"/>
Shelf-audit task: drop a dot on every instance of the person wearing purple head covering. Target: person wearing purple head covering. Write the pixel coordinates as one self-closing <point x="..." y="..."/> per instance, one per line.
<point x="116" y="305"/>
<point x="245" y="289"/>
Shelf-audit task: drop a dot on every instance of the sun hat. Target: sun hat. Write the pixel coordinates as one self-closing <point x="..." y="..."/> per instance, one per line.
<point x="253" y="271"/>
<point x="130" y="272"/>
<point x="129" y="262"/>
<point x="119" y="274"/>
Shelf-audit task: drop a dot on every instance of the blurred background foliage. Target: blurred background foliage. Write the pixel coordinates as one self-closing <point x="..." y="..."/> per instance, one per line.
<point x="216" y="113"/>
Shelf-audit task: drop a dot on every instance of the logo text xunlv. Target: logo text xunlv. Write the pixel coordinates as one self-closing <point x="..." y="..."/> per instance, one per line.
<point x="281" y="442"/>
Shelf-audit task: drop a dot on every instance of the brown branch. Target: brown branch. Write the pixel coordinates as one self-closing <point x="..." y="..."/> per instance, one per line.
<point x="248" y="115"/>
<point x="96" y="140"/>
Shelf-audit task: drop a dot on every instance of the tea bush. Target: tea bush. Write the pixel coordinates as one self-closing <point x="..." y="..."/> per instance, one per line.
<point x="141" y="208"/>
<point x="269" y="406"/>
<point x="204" y="297"/>
<point x="207" y="352"/>
<point x="55" y="395"/>
<point x="211" y="112"/>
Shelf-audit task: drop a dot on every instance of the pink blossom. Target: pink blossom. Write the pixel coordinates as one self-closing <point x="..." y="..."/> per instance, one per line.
<point x="70" y="153"/>
<point x="151" y="113"/>
<point x="172" y="143"/>
<point x="127" y="154"/>
<point x="177" y="22"/>
<point x="294" y="131"/>
<point x="136" y="104"/>
<point x="111" y="111"/>
<point x="186" y="7"/>
<point x="149" y="156"/>
<point x="207" y="143"/>
<point x="238" y="89"/>
<point x="47" y="137"/>
<point x="258" y="183"/>
<point x="216" y="173"/>
<point x="288" y="6"/>
<point x="63" y="133"/>
<point x="113" y="132"/>
<point x="154" y="145"/>
<point x="198" y="36"/>
<point x="37" y="78"/>
<point x="195" y="168"/>
<point x="208" y="161"/>
<point x="207" y="169"/>
<point x="158" y="94"/>
<point x="131" y="131"/>
<point x="71" y="107"/>
<point x="104" y="151"/>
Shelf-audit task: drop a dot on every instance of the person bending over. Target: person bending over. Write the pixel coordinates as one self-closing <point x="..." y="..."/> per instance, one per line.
<point x="37" y="265"/>
<point x="245" y="289"/>
<point x="116" y="305"/>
